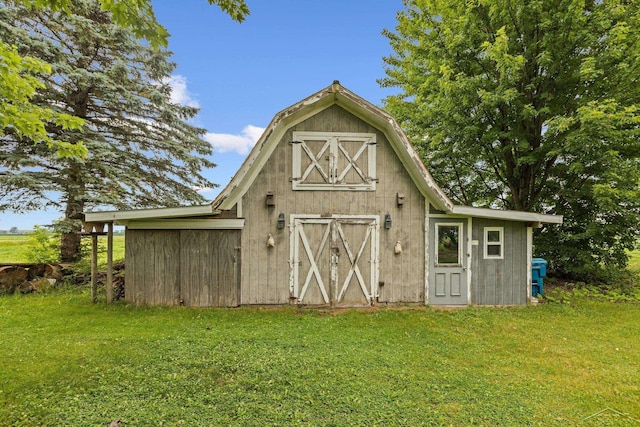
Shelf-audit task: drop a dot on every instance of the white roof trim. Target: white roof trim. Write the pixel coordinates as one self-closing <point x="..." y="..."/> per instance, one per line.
<point x="334" y="94"/>
<point x="183" y="211"/>
<point x="506" y="215"/>
<point x="188" y="224"/>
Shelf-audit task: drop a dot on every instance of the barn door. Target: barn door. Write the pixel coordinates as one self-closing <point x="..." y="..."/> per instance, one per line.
<point x="334" y="261"/>
<point x="448" y="278"/>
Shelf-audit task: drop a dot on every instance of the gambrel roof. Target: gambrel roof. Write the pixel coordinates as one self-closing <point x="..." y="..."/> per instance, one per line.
<point x="334" y="94"/>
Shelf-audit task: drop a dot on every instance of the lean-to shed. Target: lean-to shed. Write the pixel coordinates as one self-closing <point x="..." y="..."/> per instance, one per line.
<point x="332" y="207"/>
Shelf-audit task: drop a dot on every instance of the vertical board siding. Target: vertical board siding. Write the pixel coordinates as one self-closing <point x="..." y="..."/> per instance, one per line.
<point x="265" y="276"/>
<point x="208" y="265"/>
<point x="192" y="267"/>
<point x="500" y="281"/>
<point x="153" y="271"/>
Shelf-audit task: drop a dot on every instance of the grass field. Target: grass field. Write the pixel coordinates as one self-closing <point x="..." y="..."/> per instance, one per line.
<point x="13" y="248"/>
<point x="65" y="361"/>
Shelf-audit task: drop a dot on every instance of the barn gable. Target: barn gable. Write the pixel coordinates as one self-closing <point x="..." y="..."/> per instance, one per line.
<point x="334" y="94"/>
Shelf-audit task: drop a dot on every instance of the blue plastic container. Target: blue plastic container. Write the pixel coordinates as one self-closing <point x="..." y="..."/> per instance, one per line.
<point x="538" y="272"/>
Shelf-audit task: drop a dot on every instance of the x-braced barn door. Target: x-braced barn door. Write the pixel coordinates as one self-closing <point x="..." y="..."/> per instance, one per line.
<point x="334" y="161"/>
<point x="334" y="261"/>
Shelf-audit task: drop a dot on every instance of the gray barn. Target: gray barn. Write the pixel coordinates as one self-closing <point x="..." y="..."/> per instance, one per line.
<point x="332" y="207"/>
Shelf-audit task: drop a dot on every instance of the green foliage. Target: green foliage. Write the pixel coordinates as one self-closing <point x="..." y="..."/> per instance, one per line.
<point x="530" y="106"/>
<point x="42" y="246"/>
<point x="621" y="287"/>
<point x="19" y="116"/>
<point x="90" y="364"/>
<point x="19" y="80"/>
<point x="142" y="151"/>
<point x="138" y="15"/>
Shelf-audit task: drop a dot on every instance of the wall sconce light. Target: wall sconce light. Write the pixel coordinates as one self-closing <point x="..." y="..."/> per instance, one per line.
<point x="281" y="220"/>
<point x="387" y="221"/>
<point x="271" y="242"/>
<point x="397" y="249"/>
<point x="271" y="199"/>
<point x="400" y="199"/>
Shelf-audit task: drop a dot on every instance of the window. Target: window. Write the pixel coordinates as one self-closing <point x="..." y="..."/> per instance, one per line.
<point x="448" y="247"/>
<point x="493" y="242"/>
<point x="333" y="161"/>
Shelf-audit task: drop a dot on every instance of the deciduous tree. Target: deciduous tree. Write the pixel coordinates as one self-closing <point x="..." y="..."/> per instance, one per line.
<point x="529" y="105"/>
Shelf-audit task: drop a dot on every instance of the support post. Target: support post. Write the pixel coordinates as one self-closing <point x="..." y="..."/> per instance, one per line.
<point x="94" y="267"/>
<point x="109" y="284"/>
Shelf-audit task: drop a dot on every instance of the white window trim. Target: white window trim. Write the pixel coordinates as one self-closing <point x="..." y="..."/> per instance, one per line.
<point x="333" y="139"/>
<point x="498" y="243"/>
<point x="437" y="240"/>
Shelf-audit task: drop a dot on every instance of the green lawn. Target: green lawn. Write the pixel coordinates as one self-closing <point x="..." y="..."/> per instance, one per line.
<point x="13" y="248"/>
<point x="65" y="361"/>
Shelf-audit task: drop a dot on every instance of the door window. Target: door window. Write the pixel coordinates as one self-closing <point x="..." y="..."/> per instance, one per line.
<point x="448" y="248"/>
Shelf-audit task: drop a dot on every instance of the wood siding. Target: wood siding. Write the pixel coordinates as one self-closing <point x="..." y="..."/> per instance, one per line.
<point x="198" y="268"/>
<point x="500" y="281"/>
<point x="266" y="271"/>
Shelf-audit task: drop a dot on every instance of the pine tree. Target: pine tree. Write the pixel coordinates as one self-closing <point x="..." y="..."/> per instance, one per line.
<point x="141" y="149"/>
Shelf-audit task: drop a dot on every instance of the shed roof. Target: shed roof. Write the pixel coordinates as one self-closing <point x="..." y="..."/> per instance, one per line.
<point x="124" y="215"/>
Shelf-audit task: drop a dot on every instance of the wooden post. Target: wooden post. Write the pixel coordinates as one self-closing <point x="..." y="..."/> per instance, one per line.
<point x="94" y="267"/>
<point x="109" y="284"/>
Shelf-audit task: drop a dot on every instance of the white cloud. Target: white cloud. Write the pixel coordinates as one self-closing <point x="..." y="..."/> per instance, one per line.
<point x="179" y="92"/>
<point x="242" y="143"/>
<point x="202" y="190"/>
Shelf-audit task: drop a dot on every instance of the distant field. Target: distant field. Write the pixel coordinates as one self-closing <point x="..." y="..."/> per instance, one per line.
<point x="13" y="248"/>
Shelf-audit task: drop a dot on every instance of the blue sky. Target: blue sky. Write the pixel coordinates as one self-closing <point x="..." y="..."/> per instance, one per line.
<point x="241" y="75"/>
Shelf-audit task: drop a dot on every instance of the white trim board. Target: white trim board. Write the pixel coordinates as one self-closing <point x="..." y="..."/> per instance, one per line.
<point x="187" y="224"/>
<point x="506" y="215"/>
<point x="117" y="216"/>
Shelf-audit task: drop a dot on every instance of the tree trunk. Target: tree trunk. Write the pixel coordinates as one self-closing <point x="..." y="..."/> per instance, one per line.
<point x="70" y="247"/>
<point x="70" y="236"/>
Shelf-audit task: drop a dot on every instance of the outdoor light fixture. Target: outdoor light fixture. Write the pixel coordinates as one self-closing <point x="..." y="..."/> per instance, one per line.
<point x="397" y="249"/>
<point x="387" y="221"/>
<point x="281" y="220"/>
<point x="400" y="199"/>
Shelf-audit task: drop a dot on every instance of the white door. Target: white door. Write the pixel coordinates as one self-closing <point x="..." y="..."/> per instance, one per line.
<point x="334" y="260"/>
<point x="448" y="277"/>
